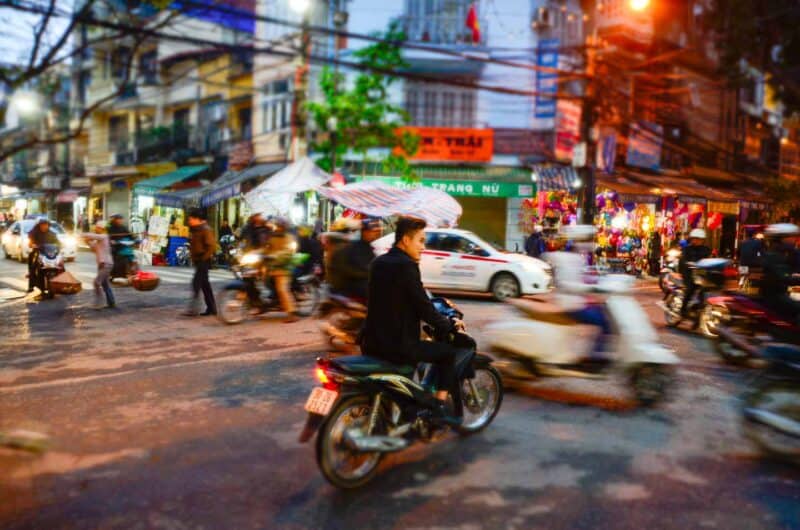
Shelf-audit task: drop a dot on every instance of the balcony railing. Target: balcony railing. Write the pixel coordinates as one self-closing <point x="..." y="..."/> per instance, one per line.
<point x="443" y="29"/>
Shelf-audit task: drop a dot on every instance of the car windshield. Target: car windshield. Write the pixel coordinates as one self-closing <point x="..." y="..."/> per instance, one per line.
<point x="56" y="228"/>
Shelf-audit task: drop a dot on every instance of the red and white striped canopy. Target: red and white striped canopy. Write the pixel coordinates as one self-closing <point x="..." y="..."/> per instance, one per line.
<point x="379" y="199"/>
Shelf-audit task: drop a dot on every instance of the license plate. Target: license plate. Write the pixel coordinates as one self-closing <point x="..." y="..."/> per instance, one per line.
<point x="321" y="401"/>
<point x="744" y="270"/>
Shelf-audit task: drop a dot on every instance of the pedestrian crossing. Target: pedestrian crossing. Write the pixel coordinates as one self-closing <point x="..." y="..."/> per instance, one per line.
<point x="13" y="275"/>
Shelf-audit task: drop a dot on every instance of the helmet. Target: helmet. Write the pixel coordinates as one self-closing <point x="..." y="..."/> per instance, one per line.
<point x="116" y="216"/>
<point x="578" y="232"/>
<point x="345" y="224"/>
<point x="782" y="230"/>
<point x="697" y="233"/>
<point x="43" y="221"/>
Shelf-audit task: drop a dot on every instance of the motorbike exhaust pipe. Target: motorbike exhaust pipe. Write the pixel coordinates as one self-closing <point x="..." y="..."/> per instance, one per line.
<point x="373" y="444"/>
<point x="726" y="334"/>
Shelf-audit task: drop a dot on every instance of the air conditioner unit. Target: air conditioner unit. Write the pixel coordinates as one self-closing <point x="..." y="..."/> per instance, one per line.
<point x="543" y="18"/>
<point x="217" y="112"/>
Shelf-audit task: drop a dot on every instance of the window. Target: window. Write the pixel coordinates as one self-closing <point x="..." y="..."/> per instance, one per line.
<point x="429" y="108"/>
<point x="432" y="240"/>
<point x="460" y="245"/>
<point x="119" y="62"/>
<point x="276" y="106"/>
<point x="148" y="67"/>
<point x="118" y="133"/>
<point x="440" y="106"/>
<point x="412" y="106"/>
<point x="449" y="118"/>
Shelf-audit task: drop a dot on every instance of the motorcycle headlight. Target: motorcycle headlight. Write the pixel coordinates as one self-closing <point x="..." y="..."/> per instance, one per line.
<point x="251" y="259"/>
<point x="70" y="241"/>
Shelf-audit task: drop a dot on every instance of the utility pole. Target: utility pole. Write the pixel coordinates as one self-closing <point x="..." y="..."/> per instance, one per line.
<point x="300" y="147"/>
<point x="587" y="126"/>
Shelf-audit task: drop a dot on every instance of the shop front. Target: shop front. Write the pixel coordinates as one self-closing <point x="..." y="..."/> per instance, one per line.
<point x="490" y="208"/>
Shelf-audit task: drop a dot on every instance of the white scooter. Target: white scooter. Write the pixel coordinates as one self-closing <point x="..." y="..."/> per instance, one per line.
<point x="545" y="344"/>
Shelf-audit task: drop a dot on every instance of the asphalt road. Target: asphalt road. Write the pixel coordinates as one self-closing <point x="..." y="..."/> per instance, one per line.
<point x="162" y="421"/>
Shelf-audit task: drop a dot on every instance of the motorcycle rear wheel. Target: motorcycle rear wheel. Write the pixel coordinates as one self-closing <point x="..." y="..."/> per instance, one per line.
<point x="233" y="306"/>
<point x="489" y="387"/>
<point x="778" y="398"/>
<point x="307" y="298"/>
<point x="340" y="465"/>
<point x="651" y="383"/>
<point x="731" y="353"/>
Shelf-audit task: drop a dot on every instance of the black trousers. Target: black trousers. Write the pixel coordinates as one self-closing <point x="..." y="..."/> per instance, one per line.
<point x="443" y="357"/>
<point x="200" y="283"/>
<point x="32" y="280"/>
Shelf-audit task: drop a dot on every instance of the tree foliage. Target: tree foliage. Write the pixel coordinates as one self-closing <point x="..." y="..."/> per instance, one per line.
<point x="361" y="117"/>
<point x="766" y="34"/>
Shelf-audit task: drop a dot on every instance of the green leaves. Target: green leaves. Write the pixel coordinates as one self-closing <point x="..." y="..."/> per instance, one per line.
<point x="360" y="117"/>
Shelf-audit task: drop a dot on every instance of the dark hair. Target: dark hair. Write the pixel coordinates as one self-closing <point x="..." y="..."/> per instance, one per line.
<point x="407" y="226"/>
<point x="197" y="213"/>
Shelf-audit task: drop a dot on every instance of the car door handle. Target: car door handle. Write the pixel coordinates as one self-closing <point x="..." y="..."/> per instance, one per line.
<point x="439" y="258"/>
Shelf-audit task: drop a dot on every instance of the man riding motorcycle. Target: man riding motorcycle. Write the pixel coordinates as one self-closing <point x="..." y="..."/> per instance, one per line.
<point x="781" y="267"/>
<point x="695" y="251"/>
<point x="350" y="262"/>
<point x="397" y="302"/>
<point x="280" y="250"/>
<point x="572" y="287"/>
<point x="38" y="237"/>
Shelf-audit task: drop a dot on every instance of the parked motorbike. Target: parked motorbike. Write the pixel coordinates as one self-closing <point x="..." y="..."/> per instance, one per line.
<point x="183" y="255"/>
<point x="543" y="344"/>
<point x="242" y="297"/>
<point x="228" y="250"/>
<point x="367" y="407"/>
<point x="771" y="408"/>
<point x="744" y="324"/>
<point x="49" y="263"/>
<point x="668" y="276"/>
<point x="708" y="275"/>
<point x="342" y="318"/>
<point x="124" y="255"/>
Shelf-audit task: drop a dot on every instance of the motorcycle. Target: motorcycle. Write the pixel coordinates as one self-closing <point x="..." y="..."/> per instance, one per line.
<point x="709" y="275"/>
<point x="240" y="298"/>
<point x="342" y="319"/>
<point x="124" y="255"/>
<point x="367" y="407"/>
<point x="668" y="275"/>
<point x="543" y="344"/>
<point x="744" y="324"/>
<point x="770" y="410"/>
<point x="183" y="255"/>
<point x="226" y="255"/>
<point x="49" y="263"/>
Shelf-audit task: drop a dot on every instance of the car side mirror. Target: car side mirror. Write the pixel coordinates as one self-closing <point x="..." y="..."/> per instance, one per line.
<point x="478" y="251"/>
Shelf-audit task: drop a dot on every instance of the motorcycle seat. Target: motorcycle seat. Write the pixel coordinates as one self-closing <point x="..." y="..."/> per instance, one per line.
<point x="365" y="365"/>
<point x="544" y="311"/>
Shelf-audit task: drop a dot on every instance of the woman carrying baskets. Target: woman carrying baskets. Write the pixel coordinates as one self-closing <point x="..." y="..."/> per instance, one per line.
<point x="100" y="244"/>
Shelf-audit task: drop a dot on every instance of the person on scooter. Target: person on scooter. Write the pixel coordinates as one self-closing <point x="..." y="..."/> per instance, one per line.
<point x="310" y="245"/>
<point x="38" y="237"/>
<point x="352" y="261"/>
<point x="397" y="302"/>
<point x="572" y="288"/>
<point x="781" y="270"/>
<point x="255" y="232"/>
<point x="695" y="251"/>
<point x="752" y="250"/>
<point x="280" y="250"/>
<point x="334" y="242"/>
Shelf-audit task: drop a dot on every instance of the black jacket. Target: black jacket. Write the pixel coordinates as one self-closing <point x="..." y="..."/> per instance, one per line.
<point x="751" y="253"/>
<point x="397" y="304"/>
<point x="350" y="268"/>
<point x="312" y="247"/>
<point x="692" y="254"/>
<point x="255" y="237"/>
<point x="779" y="265"/>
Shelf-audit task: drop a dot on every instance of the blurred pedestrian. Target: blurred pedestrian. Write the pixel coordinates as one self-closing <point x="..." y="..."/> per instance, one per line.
<point x="280" y="250"/>
<point x="100" y="244"/>
<point x="310" y="245"/>
<point x="225" y="229"/>
<point x="534" y="244"/>
<point x="654" y="253"/>
<point x="203" y="245"/>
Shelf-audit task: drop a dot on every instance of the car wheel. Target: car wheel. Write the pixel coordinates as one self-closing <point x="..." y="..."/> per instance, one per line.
<point x="504" y="286"/>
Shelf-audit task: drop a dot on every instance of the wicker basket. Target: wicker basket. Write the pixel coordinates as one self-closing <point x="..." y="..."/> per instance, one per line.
<point x="65" y="283"/>
<point x="145" y="284"/>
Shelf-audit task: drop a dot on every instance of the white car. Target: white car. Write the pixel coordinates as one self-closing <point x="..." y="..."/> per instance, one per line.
<point x="15" y="240"/>
<point x="458" y="260"/>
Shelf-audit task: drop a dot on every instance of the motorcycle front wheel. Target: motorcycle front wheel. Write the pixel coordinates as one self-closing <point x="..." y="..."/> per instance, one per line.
<point x="233" y="307"/>
<point x="651" y="383"/>
<point x="672" y="308"/>
<point x="774" y="402"/>
<point x="341" y="465"/>
<point x="306" y="298"/>
<point x="482" y="397"/>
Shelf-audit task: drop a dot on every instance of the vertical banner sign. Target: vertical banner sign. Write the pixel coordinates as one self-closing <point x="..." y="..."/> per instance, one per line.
<point x="546" y="82"/>
<point x="606" y="152"/>
<point x="644" y="145"/>
<point x="568" y="129"/>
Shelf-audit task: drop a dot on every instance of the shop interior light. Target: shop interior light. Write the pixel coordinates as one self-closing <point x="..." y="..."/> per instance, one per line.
<point x="300" y="6"/>
<point x="620" y="222"/>
<point x="534" y="176"/>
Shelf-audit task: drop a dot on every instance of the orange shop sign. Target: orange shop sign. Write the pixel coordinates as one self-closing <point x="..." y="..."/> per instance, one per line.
<point x="453" y="144"/>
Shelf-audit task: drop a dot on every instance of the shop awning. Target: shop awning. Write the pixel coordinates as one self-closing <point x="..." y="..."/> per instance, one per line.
<point x="70" y="195"/>
<point x="187" y="198"/>
<point x="686" y="189"/>
<point x="276" y="195"/>
<point x="153" y="185"/>
<point x="382" y="200"/>
<point x="555" y="178"/>
<point x="628" y="190"/>
<point x="230" y="183"/>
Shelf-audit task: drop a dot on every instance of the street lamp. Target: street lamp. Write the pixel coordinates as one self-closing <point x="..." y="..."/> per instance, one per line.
<point x="26" y="103"/>
<point x="639" y="5"/>
<point x="300" y="6"/>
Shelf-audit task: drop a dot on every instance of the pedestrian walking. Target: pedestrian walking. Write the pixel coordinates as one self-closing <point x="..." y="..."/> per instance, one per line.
<point x="203" y="245"/>
<point x="100" y="244"/>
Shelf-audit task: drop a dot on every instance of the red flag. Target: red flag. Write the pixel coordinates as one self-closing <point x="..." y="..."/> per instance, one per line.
<point x="473" y="24"/>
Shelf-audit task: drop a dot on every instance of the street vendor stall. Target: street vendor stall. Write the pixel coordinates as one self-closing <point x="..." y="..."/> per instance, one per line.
<point x="279" y="193"/>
